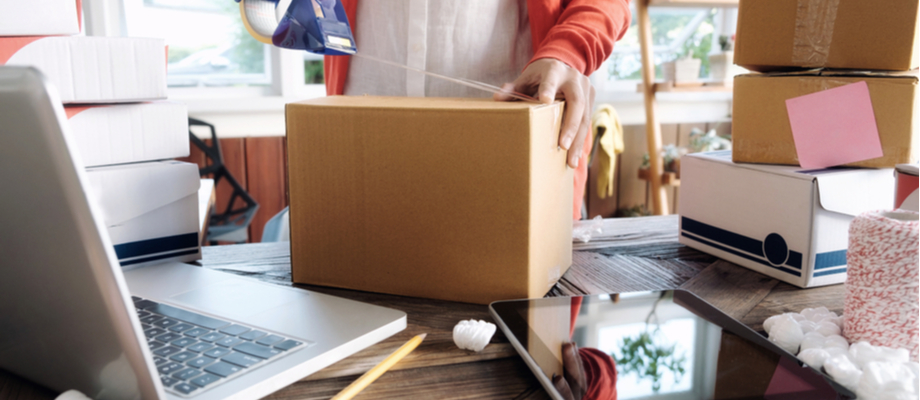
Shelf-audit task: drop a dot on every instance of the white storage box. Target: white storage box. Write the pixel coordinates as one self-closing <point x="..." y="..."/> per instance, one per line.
<point x="88" y="69"/>
<point x="150" y="210"/>
<point x="39" y="17"/>
<point x="782" y="221"/>
<point x="128" y="133"/>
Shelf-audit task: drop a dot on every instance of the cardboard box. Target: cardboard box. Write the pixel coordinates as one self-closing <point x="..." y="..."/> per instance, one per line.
<point x="150" y="210"/>
<point x="40" y="17"/>
<point x="456" y="199"/>
<point x="781" y="221"/>
<point x="761" y="132"/>
<point x="127" y="133"/>
<point x="87" y="69"/>
<point x="846" y="34"/>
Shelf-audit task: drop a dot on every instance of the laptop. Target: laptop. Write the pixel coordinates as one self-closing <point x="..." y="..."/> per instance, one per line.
<point x="72" y="318"/>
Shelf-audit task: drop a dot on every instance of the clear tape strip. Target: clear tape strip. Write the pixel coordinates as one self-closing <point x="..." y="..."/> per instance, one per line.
<point x="466" y="82"/>
<point x="814" y="30"/>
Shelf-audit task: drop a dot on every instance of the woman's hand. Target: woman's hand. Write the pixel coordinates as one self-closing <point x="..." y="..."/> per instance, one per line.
<point x="548" y="79"/>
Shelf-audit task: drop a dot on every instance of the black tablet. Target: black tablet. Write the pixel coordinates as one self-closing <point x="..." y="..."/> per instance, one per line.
<point x="657" y="345"/>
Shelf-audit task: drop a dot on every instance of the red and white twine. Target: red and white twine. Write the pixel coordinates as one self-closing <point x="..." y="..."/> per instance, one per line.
<point x="882" y="296"/>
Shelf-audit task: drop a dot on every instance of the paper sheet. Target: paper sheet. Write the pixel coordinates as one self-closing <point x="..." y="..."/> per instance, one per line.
<point x="834" y="126"/>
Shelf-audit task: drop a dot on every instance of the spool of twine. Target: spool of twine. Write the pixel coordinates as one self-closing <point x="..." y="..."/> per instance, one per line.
<point x="883" y="278"/>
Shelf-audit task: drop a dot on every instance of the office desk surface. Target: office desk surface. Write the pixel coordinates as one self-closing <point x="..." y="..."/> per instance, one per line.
<point x="632" y="254"/>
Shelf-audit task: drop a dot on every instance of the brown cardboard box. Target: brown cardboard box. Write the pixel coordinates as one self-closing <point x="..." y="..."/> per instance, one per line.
<point x="761" y="132"/>
<point x="456" y="199"/>
<point x="847" y="34"/>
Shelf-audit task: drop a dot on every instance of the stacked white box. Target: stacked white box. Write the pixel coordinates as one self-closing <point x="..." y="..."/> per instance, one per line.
<point x="40" y="17"/>
<point x="126" y="133"/>
<point x="782" y="221"/>
<point x="150" y="210"/>
<point x="111" y="88"/>
<point x="88" y="69"/>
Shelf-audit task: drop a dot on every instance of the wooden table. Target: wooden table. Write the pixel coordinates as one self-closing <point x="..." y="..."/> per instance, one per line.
<point x="632" y="254"/>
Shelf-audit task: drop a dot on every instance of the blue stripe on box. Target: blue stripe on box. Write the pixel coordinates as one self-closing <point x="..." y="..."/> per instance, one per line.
<point x="158" y="257"/>
<point x="830" y="259"/>
<point x="830" y="272"/>
<point x="723" y="236"/>
<point x="158" y="245"/>
<point x="740" y="254"/>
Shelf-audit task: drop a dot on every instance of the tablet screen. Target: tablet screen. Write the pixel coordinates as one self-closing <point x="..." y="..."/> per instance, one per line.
<point x="657" y="345"/>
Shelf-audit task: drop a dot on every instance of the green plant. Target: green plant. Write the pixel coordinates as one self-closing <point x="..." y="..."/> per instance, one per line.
<point x="708" y="141"/>
<point x="669" y="154"/>
<point x="648" y="356"/>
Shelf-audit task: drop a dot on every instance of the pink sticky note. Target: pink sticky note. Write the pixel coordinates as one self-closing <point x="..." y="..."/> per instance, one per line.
<point x="834" y="126"/>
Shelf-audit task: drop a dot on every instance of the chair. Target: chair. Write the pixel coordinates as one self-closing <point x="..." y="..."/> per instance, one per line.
<point x="278" y="228"/>
<point x="231" y="224"/>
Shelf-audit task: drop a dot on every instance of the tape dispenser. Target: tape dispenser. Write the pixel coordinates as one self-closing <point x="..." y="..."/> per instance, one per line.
<point x="317" y="26"/>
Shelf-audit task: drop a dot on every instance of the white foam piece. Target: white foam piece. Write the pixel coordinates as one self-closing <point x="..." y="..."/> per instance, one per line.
<point x="787" y="333"/>
<point x="886" y="380"/>
<point x="814" y="357"/>
<point x="473" y="335"/>
<point x="844" y="371"/>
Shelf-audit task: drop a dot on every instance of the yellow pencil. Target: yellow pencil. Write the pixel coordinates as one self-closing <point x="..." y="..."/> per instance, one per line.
<point x="370" y="376"/>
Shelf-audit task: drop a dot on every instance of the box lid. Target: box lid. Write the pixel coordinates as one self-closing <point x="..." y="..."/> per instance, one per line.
<point x="131" y="190"/>
<point x="854" y="191"/>
<point x="844" y="190"/>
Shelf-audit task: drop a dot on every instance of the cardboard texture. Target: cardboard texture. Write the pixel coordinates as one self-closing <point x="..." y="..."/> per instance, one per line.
<point x="456" y="199"/>
<point x="784" y="222"/>
<point x="127" y="133"/>
<point x="40" y="17"/>
<point x="846" y="34"/>
<point x="762" y="132"/>
<point x="88" y="69"/>
<point x="150" y="210"/>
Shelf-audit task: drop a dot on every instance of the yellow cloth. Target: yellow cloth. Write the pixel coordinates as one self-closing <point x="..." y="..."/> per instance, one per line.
<point x="606" y="120"/>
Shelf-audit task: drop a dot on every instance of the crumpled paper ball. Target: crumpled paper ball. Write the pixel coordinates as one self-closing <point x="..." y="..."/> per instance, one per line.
<point x="473" y="335"/>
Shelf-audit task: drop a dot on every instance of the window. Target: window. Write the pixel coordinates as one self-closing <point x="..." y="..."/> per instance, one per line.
<point x="676" y="32"/>
<point x="211" y="55"/>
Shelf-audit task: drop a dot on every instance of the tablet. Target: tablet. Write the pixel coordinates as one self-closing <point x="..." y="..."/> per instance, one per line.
<point x="664" y="345"/>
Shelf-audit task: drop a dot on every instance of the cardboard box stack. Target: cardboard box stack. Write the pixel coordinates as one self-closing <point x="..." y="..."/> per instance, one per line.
<point x="456" y="199"/>
<point x="114" y="91"/>
<point x="837" y="87"/>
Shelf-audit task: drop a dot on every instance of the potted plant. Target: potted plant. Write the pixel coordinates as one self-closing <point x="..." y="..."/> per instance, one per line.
<point x="683" y="70"/>
<point x="721" y="65"/>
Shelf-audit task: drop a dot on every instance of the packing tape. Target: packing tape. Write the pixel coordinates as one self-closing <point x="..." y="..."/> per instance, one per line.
<point x="883" y="278"/>
<point x="818" y="83"/>
<point x="814" y="30"/>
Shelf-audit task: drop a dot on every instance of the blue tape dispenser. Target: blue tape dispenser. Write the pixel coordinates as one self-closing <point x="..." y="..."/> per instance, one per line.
<point x="317" y="26"/>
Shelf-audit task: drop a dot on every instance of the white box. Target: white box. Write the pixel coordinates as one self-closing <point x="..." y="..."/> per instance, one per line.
<point x="88" y="69"/>
<point x="127" y="133"/>
<point x="150" y="210"/>
<point x="40" y="17"/>
<point x="782" y="221"/>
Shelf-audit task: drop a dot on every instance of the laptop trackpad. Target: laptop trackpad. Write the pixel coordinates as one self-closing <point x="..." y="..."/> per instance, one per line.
<point x="237" y="299"/>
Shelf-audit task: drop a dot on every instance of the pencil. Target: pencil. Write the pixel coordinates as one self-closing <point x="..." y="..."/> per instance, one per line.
<point x="370" y="376"/>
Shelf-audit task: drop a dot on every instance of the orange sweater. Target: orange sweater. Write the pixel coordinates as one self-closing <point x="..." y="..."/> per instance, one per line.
<point x="580" y="33"/>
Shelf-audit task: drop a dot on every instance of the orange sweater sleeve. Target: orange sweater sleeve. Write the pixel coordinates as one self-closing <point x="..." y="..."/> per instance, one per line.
<point x="580" y="33"/>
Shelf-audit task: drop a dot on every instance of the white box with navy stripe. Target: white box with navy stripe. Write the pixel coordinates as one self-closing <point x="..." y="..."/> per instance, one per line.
<point x="782" y="221"/>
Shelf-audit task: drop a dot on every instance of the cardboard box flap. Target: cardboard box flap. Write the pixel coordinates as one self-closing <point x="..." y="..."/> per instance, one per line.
<point x="912" y="74"/>
<point x="128" y="191"/>
<point x="854" y="191"/>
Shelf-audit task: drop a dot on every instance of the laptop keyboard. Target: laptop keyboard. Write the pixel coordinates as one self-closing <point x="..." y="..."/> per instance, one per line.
<point x="195" y="352"/>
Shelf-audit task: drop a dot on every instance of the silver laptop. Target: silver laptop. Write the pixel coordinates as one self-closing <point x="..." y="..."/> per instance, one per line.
<point x="71" y="318"/>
